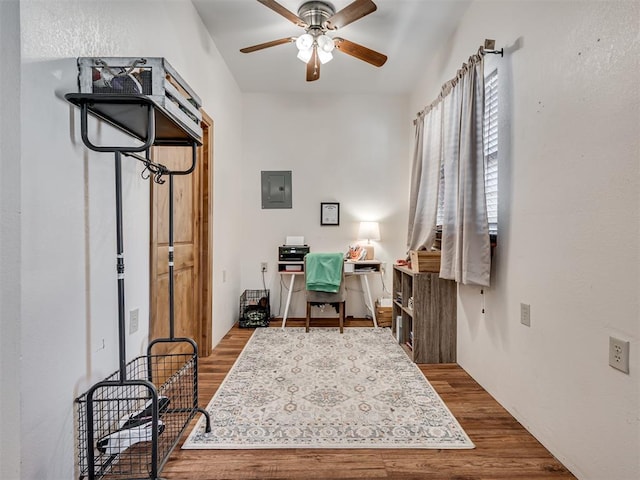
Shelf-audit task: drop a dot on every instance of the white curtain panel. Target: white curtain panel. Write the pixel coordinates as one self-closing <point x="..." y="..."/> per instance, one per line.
<point x="466" y="248"/>
<point x="425" y="175"/>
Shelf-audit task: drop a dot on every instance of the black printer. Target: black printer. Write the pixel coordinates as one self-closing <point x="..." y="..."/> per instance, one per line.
<point x="292" y="253"/>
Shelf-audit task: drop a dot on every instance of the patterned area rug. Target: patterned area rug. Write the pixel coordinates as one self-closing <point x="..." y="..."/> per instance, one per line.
<point x="291" y="389"/>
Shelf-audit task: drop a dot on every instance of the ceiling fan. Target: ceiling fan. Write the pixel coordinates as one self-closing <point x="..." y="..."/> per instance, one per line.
<point x="315" y="46"/>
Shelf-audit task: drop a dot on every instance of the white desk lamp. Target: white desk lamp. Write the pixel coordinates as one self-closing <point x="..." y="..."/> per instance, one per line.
<point x="369" y="231"/>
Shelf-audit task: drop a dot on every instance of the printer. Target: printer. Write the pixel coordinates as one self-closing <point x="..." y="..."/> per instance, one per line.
<point x="292" y="253"/>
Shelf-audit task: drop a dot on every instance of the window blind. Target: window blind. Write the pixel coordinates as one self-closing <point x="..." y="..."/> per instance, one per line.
<point x="490" y="136"/>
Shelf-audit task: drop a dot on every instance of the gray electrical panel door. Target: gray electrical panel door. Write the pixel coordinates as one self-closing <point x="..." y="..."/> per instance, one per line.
<point x="276" y="189"/>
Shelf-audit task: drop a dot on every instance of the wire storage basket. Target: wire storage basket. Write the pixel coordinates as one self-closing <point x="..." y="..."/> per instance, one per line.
<point x="254" y="309"/>
<point x="153" y="77"/>
<point x="116" y="421"/>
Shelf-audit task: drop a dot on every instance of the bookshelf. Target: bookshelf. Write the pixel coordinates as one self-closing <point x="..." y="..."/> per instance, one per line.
<point x="424" y="315"/>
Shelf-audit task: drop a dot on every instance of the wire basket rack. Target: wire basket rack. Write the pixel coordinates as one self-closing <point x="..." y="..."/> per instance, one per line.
<point x="116" y="422"/>
<point x="129" y="423"/>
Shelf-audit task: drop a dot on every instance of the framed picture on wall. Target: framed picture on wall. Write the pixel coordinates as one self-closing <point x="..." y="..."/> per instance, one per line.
<point x="329" y="213"/>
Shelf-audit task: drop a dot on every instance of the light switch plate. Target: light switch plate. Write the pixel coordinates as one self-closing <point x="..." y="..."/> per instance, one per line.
<point x="133" y="321"/>
<point x="525" y="314"/>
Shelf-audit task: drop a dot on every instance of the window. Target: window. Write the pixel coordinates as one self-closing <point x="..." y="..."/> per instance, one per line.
<point x="490" y="135"/>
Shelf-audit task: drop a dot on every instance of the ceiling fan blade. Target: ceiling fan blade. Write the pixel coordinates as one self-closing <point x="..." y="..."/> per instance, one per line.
<point x="349" y="14"/>
<point x="313" y="66"/>
<point x="288" y="14"/>
<point x="273" y="43"/>
<point x="376" y="59"/>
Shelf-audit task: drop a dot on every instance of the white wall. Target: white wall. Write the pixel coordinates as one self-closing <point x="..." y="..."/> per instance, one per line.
<point x="69" y="301"/>
<point x="10" y="283"/>
<point x="568" y="226"/>
<point x="572" y="107"/>
<point x="351" y="149"/>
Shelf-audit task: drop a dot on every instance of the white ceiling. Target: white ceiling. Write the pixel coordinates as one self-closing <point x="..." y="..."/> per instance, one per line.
<point x="407" y="31"/>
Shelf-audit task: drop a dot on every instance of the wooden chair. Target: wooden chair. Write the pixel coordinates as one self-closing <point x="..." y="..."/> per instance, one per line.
<point x="317" y="298"/>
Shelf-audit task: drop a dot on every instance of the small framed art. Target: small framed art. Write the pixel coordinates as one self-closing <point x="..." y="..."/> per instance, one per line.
<point x="329" y="213"/>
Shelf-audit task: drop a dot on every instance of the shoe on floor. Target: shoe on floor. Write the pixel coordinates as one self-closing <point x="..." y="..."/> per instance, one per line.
<point x="120" y="440"/>
<point x="144" y="415"/>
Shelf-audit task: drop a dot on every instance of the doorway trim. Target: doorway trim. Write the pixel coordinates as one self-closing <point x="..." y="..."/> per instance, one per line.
<point x="206" y="235"/>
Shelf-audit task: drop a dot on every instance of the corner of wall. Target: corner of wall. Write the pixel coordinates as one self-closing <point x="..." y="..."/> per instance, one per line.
<point x="10" y="235"/>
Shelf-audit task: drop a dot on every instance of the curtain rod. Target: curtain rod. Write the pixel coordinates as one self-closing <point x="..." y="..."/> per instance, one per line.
<point x="490" y="47"/>
<point x="487" y="48"/>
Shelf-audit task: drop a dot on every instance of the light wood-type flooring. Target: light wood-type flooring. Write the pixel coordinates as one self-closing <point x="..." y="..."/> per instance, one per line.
<point x="504" y="449"/>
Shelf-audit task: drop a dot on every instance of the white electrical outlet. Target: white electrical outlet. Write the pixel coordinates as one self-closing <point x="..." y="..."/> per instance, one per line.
<point x="133" y="321"/>
<point x="263" y="266"/>
<point x="525" y="314"/>
<point x="619" y="354"/>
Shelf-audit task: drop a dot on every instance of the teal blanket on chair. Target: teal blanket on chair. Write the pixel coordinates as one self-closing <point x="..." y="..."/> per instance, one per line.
<point x="323" y="271"/>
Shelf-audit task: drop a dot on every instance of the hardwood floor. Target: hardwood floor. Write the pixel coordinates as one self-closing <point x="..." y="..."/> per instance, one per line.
<point x="504" y="449"/>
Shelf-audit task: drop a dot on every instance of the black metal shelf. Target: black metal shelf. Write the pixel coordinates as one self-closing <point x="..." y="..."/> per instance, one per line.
<point x="122" y="431"/>
<point x="136" y="115"/>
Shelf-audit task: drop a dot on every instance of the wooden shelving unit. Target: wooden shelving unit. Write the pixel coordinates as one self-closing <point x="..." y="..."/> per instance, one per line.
<point x="424" y="315"/>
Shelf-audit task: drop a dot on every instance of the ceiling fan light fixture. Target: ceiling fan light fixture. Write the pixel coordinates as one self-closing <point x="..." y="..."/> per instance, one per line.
<point x="317" y="17"/>
<point x="325" y="43"/>
<point x="324" y="57"/>
<point x="305" y="55"/>
<point x="304" y="42"/>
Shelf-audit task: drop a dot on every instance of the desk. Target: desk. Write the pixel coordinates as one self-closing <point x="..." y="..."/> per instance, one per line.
<point x="362" y="269"/>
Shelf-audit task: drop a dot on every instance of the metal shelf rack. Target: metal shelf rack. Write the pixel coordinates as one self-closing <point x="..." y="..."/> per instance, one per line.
<point x="129" y="423"/>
